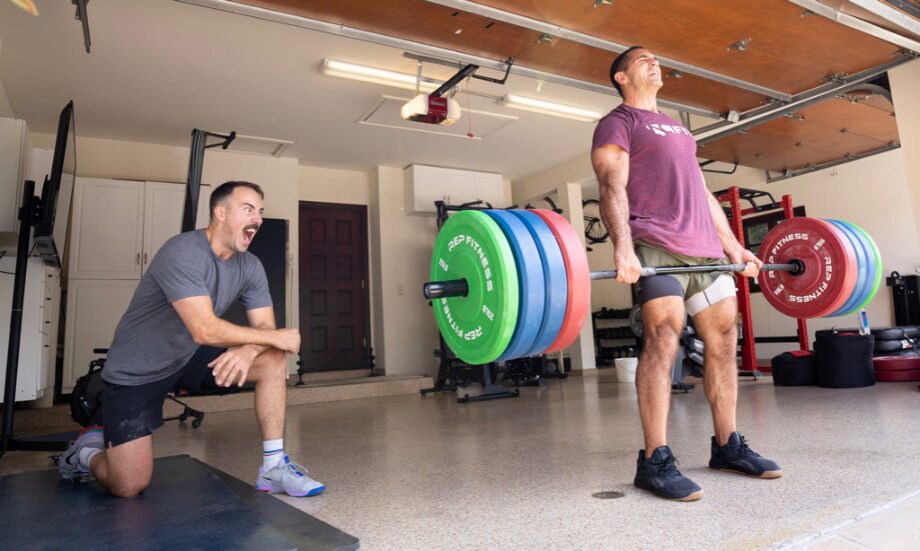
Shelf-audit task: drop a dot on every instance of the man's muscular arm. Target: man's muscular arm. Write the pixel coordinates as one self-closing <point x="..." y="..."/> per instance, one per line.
<point x="611" y="165"/>
<point x="197" y="314"/>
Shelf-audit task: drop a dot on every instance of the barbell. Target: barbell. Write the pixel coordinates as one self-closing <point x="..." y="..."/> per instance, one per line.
<point x="515" y="283"/>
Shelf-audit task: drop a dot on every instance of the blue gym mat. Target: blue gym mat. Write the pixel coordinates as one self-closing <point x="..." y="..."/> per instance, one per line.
<point x="189" y="505"/>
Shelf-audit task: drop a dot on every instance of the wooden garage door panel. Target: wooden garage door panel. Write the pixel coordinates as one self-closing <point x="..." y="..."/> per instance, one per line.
<point x="857" y="118"/>
<point x="828" y="138"/>
<point x="693" y="90"/>
<point x="813" y="134"/>
<point x="774" y="146"/>
<point x="787" y="51"/>
<point x="751" y="152"/>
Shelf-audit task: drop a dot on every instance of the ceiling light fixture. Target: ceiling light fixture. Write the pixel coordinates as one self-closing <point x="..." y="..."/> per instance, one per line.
<point x="374" y="75"/>
<point x="549" y="108"/>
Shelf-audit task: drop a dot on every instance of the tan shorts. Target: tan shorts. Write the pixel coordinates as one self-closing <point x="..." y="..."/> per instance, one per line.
<point x="699" y="290"/>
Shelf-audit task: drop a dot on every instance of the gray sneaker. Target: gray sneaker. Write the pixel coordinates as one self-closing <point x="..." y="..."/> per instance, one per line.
<point x="290" y="478"/>
<point x="68" y="463"/>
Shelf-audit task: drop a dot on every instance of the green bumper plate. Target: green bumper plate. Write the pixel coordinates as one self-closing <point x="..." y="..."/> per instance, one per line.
<point x="479" y="326"/>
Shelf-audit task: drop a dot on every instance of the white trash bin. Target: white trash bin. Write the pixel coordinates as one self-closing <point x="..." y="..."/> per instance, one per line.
<point x="626" y="369"/>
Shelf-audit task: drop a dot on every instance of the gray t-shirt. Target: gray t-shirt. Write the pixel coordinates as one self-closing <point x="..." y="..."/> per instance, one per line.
<point x="151" y="341"/>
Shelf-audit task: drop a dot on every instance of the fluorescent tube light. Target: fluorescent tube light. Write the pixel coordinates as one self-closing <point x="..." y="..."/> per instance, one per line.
<point x="550" y="108"/>
<point x="364" y="73"/>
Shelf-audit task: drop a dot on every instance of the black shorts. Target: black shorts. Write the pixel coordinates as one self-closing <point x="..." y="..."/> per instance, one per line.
<point x="132" y="412"/>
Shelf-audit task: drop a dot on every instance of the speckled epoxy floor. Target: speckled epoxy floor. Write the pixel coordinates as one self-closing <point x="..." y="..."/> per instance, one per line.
<point x="412" y="472"/>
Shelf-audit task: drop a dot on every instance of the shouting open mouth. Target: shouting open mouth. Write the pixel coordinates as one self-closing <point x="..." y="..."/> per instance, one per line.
<point x="249" y="232"/>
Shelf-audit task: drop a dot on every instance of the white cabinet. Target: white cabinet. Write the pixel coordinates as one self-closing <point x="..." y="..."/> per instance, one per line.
<point x="426" y="184"/>
<point x="106" y="236"/>
<point x="94" y="308"/>
<point x="15" y="167"/>
<point x="38" y="341"/>
<point x="118" y="225"/>
<point x="490" y="187"/>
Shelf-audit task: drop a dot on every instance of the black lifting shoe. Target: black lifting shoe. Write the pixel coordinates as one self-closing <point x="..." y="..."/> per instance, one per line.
<point x="735" y="456"/>
<point x="659" y="475"/>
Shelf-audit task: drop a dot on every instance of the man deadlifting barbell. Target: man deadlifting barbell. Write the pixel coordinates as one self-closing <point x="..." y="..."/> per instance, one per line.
<point x="658" y="211"/>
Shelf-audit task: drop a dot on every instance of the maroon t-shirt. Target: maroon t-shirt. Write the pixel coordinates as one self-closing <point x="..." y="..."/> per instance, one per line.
<point x="668" y="204"/>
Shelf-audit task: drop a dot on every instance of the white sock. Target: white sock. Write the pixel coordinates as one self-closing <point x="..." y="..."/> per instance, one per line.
<point x="86" y="455"/>
<point x="272" y="453"/>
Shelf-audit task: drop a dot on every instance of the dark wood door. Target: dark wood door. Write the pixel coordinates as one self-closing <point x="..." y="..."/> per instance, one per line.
<point x="334" y="298"/>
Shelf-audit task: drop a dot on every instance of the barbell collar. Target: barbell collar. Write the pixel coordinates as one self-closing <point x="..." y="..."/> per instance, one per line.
<point x="459" y="288"/>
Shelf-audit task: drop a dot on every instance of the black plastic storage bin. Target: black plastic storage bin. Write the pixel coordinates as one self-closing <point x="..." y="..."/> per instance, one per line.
<point x="844" y="359"/>
<point x="796" y="368"/>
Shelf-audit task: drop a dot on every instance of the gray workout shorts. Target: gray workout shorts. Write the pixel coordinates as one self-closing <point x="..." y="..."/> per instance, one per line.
<point x="699" y="291"/>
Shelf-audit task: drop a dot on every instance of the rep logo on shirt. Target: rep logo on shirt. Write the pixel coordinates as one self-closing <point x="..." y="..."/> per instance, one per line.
<point x="665" y="129"/>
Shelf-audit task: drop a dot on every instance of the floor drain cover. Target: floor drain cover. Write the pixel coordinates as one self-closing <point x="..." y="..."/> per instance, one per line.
<point x="608" y="495"/>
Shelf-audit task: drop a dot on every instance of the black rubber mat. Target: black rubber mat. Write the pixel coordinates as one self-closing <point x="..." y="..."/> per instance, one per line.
<point x="188" y="505"/>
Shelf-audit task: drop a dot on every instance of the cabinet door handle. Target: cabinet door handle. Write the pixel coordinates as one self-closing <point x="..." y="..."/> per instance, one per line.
<point x="145" y="259"/>
<point x="138" y="260"/>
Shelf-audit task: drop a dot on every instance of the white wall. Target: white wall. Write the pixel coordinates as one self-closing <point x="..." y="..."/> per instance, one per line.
<point x="327" y="185"/>
<point x="542" y="183"/>
<point x="5" y="109"/>
<point x="405" y="331"/>
<point x="905" y="91"/>
<point x="103" y="158"/>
